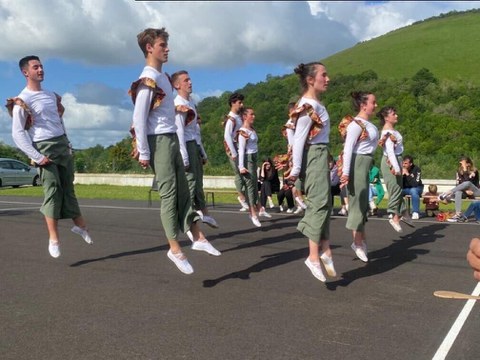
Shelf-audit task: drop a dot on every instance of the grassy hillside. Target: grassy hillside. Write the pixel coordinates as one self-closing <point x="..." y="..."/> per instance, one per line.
<point x="447" y="46"/>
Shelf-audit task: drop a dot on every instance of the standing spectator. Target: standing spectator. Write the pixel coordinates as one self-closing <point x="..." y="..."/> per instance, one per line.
<point x="310" y="147"/>
<point x="157" y="147"/>
<point x="335" y="182"/>
<point x="232" y="124"/>
<point x="360" y="144"/>
<point x="269" y="183"/>
<point x="38" y="130"/>
<point x="187" y="132"/>
<point x="247" y="164"/>
<point x="412" y="184"/>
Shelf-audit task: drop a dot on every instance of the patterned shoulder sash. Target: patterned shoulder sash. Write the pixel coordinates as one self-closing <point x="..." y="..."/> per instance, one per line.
<point x="188" y="111"/>
<point x="306" y="108"/>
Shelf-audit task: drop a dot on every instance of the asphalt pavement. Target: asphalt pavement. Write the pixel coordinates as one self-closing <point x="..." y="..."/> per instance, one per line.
<point x="122" y="298"/>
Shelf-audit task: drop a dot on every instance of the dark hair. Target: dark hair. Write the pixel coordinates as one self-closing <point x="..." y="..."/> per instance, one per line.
<point x="470" y="167"/>
<point x="409" y="158"/>
<point x="175" y="75"/>
<point x="359" y="98"/>
<point x="245" y="110"/>
<point x="384" y="112"/>
<point x="234" y="98"/>
<point x="305" y="70"/>
<point x="148" y="36"/>
<point x="23" y="63"/>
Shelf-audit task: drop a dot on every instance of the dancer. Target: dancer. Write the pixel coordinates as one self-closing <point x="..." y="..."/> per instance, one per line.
<point x="38" y="130"/>
<point x="392" y="142"/>
<point x="157" y="147"/>
<point x="360" y="144"/>
<point x="186" y="121"/>
<point x="310" y="147"/>
<point x="247" y="165"/>
<point x="232" y="123"/>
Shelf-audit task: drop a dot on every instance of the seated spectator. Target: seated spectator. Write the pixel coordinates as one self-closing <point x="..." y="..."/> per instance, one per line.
<point x="286" y="193"/>
<point x="269" y="183"/>
<point x="430" y="199"/>
<point x="412" y="184"/>
<point x="376" y="189"/>
<point x="334" y="181"/>
<point x="467" y="172"/>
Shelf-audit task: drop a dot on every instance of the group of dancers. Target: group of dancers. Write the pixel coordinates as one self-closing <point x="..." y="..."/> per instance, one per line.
<point x="167" y="139"/>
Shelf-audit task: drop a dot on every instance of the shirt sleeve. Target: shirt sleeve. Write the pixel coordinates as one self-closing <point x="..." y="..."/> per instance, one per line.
<point x="140" y="117"/>
<point x="228" y="137"/>
<point x="299" y="139"/>
<point x="242" y="144"/>
<point x="180" y="122"/>
<point x="353" y="133"/>
<point x="20" y="135"/>
<point x="390" y="150"/>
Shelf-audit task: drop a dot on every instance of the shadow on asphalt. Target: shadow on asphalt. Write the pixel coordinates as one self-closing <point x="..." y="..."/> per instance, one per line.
<point x="392" y="256"/>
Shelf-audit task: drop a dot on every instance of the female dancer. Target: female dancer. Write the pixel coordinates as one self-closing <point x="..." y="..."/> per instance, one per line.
<point x="392" y="142"/>
<point x="360" y="144"/>
<point x="247" y="164"/>
<point x="312" y="130"/>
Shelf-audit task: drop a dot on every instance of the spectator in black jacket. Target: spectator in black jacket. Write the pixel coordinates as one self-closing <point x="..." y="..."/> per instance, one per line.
<point x="412" y="184"/>
<point x="269" y="183"/>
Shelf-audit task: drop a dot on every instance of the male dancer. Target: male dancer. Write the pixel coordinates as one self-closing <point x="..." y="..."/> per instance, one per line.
<point x="38" y="131"/>
<point x="157" y="146"/>
<point x="232" y="123"/>
<point x="186" y="121"/>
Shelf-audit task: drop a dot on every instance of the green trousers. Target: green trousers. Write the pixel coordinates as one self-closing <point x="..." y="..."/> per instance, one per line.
<point x="59" y="200"/>
<point x="251" y="179"/>
<point x="358" y="190"/>
<point x="195" y="176"/>
<point x="238" y="180"/>
<point x="394" y="185"/>
<point x="176" y="212"/>
<point x="315" y="224"/>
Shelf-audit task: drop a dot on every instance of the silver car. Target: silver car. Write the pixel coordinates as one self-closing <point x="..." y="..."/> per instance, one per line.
<point x="16" y="173"/>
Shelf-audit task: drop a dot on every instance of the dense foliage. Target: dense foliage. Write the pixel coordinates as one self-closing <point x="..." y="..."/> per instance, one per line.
<point x="438" y="114"/>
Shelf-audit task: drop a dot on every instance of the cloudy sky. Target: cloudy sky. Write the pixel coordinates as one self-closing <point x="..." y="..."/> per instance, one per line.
<point x="90" y="53"/>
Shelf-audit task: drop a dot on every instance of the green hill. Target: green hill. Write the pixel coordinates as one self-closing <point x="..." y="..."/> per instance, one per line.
<point x="446" y="45"/>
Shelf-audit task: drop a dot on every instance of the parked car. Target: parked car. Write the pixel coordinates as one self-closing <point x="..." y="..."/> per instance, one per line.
<point x="16" y="173"/>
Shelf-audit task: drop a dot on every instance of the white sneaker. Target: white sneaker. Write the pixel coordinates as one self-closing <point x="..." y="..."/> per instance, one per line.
<point x="316" y="270"/>
<point x="264" y="214"/>
<point x="181" y="262"/>
<point x="390" y="216"/>
<point x="201" y="245"/>
<point x="270" y="204"/>
<point x="290" y="211"/>
<point x="190" y="235"/>
<point x="210" y="221"/>
<point x="328" y="263"/>
<point x="242" y="202"/>
<point x="395" y="226"/>
<point x="243" y="209"/>
<point x="83" y="233"/>
<point x="343" y="212"/>
<point x="298" y="211"/>
<point x="360" y="251"/>
<point x="415" y="216"/>
<point x="255" y="221"/>
<point x="300" y="203"/>
<point x="280" y="208"/>
<point x="54" y="249"/>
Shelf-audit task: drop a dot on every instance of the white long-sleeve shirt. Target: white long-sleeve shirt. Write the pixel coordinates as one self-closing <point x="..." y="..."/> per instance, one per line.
<point x="302" y="129"/>
<point x="391" y="150"/>
<point x="352" y="145"/>
<point x="246" y="146"/>
<point x="47" y="123"/>
<point x="198" y="139"/>
<point x="160" y="120"/>
<point x="230" y="131"/>
<point x="185" y="132"/>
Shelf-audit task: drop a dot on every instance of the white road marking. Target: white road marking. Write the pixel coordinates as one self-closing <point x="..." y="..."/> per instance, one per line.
<point x="456" y="327"/>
